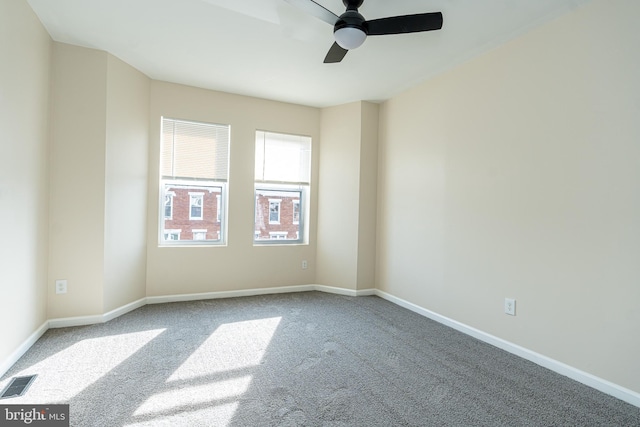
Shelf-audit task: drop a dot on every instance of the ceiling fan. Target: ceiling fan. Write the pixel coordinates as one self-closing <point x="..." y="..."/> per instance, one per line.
<point x="351" y="29"/>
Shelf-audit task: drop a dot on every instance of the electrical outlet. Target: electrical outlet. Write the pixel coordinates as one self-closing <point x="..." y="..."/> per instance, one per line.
<point x="304" y="264"/>
<point x="61" y="286"/>
<point x="510" y="306"/>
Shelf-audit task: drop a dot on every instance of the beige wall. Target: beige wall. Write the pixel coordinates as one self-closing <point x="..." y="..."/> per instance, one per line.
<point x="77" y="180"/>
<point x="24" y="120"/>
<point x="337" y="255"/>
<point x="367" y="195"/>
<point x="126" y="171"/>
<point x="518" y="175"/>
<point x="238" y="265"/>
<point x="98" y="182"/>
<point x="346" y="206"/>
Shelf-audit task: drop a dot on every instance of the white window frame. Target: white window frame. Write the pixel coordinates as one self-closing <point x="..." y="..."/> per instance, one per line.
<point x="273" y="175"/>
<point x="174" y="173"/>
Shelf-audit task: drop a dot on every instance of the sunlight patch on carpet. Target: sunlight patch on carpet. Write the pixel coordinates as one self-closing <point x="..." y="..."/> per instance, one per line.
<point x="191" y="398"/>
<point x="214" y="377"/>
<point x="230" y="347"/>
<point x="221" y="415"/>
<point x="70" y="371"/>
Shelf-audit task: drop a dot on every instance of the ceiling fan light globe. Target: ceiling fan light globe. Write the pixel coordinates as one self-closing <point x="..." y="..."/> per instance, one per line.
<point x="349" y="37"/>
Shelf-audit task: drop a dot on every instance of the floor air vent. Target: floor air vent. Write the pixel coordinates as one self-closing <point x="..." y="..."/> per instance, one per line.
<point x="17" y="387"/>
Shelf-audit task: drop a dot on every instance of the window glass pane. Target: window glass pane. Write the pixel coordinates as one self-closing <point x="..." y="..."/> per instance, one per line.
<point x="195" y="211"/>
<point x="218" y="208"/>
<point x="296" y="211"/>
<point x="275" y="214"/>
<point x="274" y="211"/>
<point x="195" y="206"/>
<point x="199" y="234"/>
<point x="172" y="235"/>
<point x="168" y="206"/>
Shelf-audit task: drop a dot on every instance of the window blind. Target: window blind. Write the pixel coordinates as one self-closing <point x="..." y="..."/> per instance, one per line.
<point x="282" y="158"/>
<point x="192" y="150"/>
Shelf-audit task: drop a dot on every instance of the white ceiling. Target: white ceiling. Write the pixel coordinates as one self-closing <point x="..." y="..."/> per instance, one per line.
<point x="270" y="49"/>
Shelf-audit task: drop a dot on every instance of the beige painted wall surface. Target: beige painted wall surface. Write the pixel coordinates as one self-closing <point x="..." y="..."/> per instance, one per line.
<point x="367" y="196"/>
<point x="518" y="175"/>
<point x="347" y="200"/>
<point x="77" y="180"/>
<point x="24" y="119"/>
<point x="338" y="202"/>
<point x="239" y="265"/>
<point x="127" y="141"/>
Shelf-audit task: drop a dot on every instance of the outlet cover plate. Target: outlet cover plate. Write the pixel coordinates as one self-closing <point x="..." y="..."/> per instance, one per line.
<point x="510" y="306"/>
<point x="61" y="286"/>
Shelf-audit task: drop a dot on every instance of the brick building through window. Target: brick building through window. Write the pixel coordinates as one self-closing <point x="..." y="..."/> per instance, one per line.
<point x="192" y="212"/>
<point x="277" y="215"/>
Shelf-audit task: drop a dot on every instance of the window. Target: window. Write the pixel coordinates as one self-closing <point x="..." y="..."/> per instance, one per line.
<point x="168" y="205"/>
<point x="172" y="234"/>
<point x="218" y="208"/>
<point x="282" y="177"/>
<point x="296" y="211"/>
<point x="199" y="234"/>
<point x="278" y="235"/>
<point x="195" y="206"/>
<point x="274" y="211"/>
<point x="194" y="167"/>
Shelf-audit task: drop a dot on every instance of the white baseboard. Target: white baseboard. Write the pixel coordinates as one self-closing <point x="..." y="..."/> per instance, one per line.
<point x="66" y="322"/>
<point x="585" y="378"/>
<point x="257" y="291"/>
<point x="124" y="309"/>
<point x="227" y="294"/>
<point x="366" y="292"/>
<point x="97" y="318"/>
<point x="344" y="291"/>
<point x="23" y="348"/>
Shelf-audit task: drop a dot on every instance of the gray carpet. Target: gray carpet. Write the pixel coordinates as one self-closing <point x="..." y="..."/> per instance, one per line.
<point x="302" y="359"/>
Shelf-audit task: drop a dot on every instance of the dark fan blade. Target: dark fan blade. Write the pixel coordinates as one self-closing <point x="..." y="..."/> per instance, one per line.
<point x="405" y="24"/>
<point x="314" y="9"/>
<point x="336" y="53"/>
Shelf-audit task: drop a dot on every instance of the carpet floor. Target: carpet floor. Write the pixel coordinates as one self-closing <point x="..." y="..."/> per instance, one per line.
<point x="300" y="359"/>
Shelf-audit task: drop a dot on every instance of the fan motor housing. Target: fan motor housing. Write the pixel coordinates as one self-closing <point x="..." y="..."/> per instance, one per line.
<point x="352" y="4"/>
<point x="352" y="19"/>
